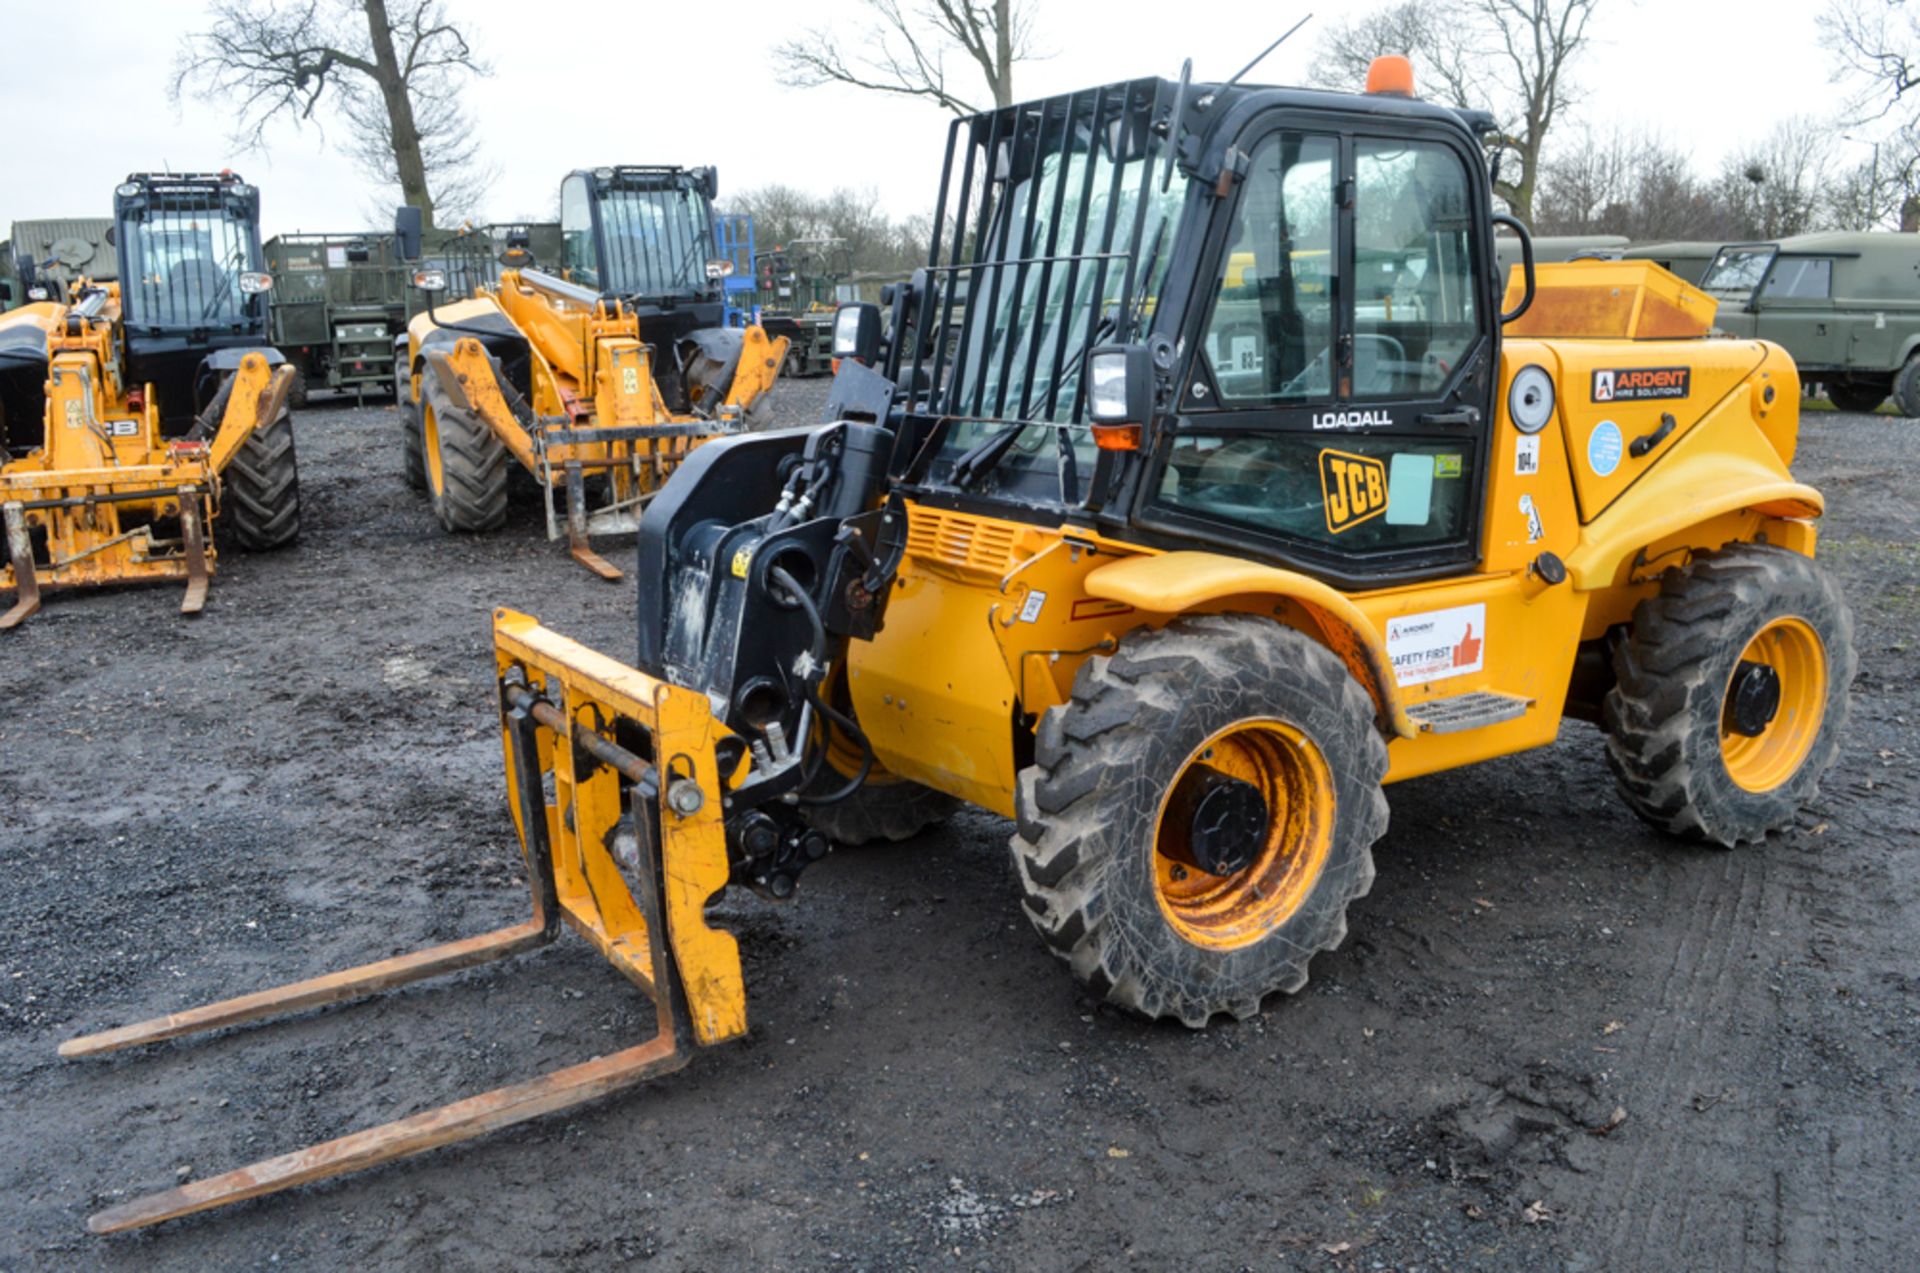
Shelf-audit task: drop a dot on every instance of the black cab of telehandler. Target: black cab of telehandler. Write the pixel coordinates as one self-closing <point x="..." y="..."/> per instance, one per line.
<point x="193" y="284"/>
<point x="1092" y="336"/>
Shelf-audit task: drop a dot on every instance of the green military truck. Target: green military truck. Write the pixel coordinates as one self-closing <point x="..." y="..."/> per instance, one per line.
<point x="1555" y="247"/>
<point x="57" y="252"/>
<point x="800" y="288"/>
<point x="1845" y="305"/>
<point x="340" y="301"/>
<point x="337" y="299"/>
<point x="1688" y="258"/>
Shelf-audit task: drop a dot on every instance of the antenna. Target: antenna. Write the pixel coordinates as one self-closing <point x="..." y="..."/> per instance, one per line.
<point x="1270" y="48"/>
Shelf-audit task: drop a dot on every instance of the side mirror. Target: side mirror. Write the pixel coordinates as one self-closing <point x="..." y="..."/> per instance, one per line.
<point x="1119" y="395"/>
<point x="856" y="333"/>
<point x="407" y="232"/>
<point x="708" y="180"/>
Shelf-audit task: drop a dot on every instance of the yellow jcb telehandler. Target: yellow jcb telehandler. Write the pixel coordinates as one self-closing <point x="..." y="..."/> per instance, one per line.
<point x="596" y="381"/>
<point x="1243" y="492"/>
<point x="133" y="413"/>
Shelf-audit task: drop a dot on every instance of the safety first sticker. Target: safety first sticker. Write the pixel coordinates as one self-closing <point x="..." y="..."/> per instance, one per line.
<point x="1437" y="644"/>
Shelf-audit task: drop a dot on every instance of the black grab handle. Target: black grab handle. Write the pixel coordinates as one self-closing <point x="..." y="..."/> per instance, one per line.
<point x="1646" y="442"/>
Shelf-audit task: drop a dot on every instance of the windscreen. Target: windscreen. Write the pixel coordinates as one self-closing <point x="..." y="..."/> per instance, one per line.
<point x="1738" y="269"/>
<point x="185" y="263"/>
<point x="1074" y="235"/>
<point x="658" y="236"/>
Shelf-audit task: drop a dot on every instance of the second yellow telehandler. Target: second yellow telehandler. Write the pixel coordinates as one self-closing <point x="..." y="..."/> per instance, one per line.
<point x="595" y="381"/>
<point x="1243" y="491"/>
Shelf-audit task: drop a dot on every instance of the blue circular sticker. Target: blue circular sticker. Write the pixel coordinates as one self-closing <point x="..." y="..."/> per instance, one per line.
<point x="1604" y="447"/>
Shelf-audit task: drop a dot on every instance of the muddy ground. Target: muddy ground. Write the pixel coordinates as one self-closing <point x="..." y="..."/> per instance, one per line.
<point x="1552" y="1039"/>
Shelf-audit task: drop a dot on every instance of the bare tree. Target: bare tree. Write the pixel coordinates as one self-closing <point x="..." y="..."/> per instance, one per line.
<point x="1877" y="43"/>
<point x="907" y="46"/>
<point x="852" y="218"/>
<point x="1510" y="57"/>
<point x="392" y="72"/>
<point x="1777" y="188"/>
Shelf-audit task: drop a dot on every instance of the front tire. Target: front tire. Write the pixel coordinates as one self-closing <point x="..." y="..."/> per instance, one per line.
<point x="413" y="457"/>
<point x="1859" y="398"/>
<point x="1113" y="815"/>
<point x="1730" y="694"/>
<point x="466" y="465"/>
<point x="1906" y="389"/>
<point x="260" y="490"/>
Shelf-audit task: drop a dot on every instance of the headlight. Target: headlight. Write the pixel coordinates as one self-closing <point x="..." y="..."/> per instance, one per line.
<point x="603" y="174"/>
<point x="1107" y="385"/>
<point x="252" y="283"/>
<point x="719" y="268"/>
<point x="430" y="280"/>
<point x="1530" y="399"/>
<point x="36" y="293"/>
<point x="127" y="189"/>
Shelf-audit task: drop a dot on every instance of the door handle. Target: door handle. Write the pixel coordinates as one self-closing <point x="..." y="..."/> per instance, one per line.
<point x="1458" y="415"/>
<point x="1646" y="442"/>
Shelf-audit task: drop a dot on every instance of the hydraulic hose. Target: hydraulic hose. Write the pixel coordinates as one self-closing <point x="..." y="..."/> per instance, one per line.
<point x="791" y="586"/>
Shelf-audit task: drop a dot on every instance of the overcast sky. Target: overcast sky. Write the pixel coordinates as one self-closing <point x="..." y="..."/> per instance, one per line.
<point x="579" y="84"/>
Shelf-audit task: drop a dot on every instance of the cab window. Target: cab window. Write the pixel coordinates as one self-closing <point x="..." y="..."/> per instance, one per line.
<point x="1800" y="278"/>
<point x="1413" y="317"/>
<point x="576" y="233"/>
<point x="1270" y="337"/>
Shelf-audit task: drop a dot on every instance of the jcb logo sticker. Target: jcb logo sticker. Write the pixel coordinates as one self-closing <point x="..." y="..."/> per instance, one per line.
<point x="1355" y="487"/>
<point x="1638" y="384"/>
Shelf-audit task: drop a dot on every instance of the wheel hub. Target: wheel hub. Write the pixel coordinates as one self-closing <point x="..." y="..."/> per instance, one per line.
<point x="1224" y="817"/>
<point x="1753" y="700"/>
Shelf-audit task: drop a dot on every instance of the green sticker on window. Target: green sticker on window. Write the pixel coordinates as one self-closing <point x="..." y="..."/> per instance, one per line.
<point x="1446" y="465"/>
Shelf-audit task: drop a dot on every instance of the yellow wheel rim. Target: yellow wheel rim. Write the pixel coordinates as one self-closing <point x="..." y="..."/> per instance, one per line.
<point x="430" y="446"/>
<point x="1763" y="761"/>
<point x="1227" y="912"/>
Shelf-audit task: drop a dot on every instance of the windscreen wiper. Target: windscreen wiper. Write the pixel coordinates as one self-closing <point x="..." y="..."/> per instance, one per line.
<point x="985" y="456"/>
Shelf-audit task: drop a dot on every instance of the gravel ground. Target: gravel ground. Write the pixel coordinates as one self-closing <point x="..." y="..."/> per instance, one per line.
<point x="1552" y="1039"/>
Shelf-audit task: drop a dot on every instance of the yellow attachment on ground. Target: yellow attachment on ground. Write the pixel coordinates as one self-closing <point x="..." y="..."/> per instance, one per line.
<point x="108" y="499"/>
<point x="586" y="813"/>
<point x="1620" y="300"/>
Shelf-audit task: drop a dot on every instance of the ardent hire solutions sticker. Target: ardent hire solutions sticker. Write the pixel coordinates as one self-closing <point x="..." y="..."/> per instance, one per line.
<point x="1641" y="384"/>
<point x="1439" y="643"/>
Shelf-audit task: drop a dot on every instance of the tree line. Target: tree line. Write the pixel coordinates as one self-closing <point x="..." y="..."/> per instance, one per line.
<point x="392" y="74"/>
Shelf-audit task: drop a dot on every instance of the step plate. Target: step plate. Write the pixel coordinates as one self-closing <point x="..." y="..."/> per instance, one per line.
<point x="1467" y="711"/>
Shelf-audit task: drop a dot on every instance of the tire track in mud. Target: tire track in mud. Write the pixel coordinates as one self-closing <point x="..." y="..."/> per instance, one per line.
<point x="1692" y="1002"/>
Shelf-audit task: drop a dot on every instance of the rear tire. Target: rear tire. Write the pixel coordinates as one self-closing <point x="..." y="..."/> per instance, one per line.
<point x="466" y="465"/>
<point x="1096" y="816"/>
<point x="260" y="491"/>
<point x="1682" y="759"/>
<point x="1859" y="398"/>
<point x="1906" y="389"/>
<point x="884" y="808"/>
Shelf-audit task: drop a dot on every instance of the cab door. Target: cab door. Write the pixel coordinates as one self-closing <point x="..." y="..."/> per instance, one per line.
<point x="1337" y="396"/>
